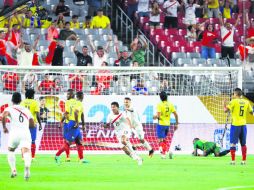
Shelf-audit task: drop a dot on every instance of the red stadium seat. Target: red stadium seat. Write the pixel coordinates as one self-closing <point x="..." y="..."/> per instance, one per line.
<point x="182" y="32"/>
<point x="171" y="31"/>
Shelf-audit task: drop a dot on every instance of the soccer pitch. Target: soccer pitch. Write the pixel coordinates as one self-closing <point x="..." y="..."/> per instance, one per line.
<point x="118" y="172"/>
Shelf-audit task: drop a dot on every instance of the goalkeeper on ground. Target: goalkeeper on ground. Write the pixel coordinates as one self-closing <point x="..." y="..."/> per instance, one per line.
<point x="207" y="148"/>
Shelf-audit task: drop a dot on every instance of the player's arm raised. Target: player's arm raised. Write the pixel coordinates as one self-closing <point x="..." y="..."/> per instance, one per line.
<point x="4" y="119"/>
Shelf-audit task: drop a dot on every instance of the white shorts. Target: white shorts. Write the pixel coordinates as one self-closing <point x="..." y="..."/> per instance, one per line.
<point x="190" y="21"/>
<point x="139" y="132"/>
<point x="21" y="139"/>
<point x="123" y="132"/>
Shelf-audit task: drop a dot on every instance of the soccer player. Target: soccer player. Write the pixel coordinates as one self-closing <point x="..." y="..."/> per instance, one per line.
<point x="207" y="148"/>
<point x="164" y="110"/>
<point x="73" y="113"/>
<point x="122" y="126"/>
<point x="136" y="124"/>
<point x="19" y="135"/>
<point x="34" y="108"/>
<point x="238" y="107"/>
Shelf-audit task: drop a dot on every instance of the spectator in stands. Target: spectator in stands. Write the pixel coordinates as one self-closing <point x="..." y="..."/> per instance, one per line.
<point x="227" y="36"/>
<point x="61" y="8"/>
<point x="57" y="59"/>
<point x="30" y="81"/>
<point x="200" y="27"/>
<point x="4" y="22"/>
<point x="52" y="31"/>
<point x="252" y="6"/>
<point x="143" y="8"/>
<point x="93" y="6"/>
<point x="46" y="86"/>
<point x="132" y="7"/>
<point x="67" y="33"/>
<point x="134" y="77"/>
<point x="154" y="20"/>
<point x="124" y="59"/>
<point x="191" y="33"/>
<point x="101" y="55"/>
<point x="3" y="58"/>
<point x="60" y="21"/>
<point x="138" y="47"/>
<point x="139" y="88"/>
<point x="208" y="42"/>
<point x="10" y="82"/>
<point x="80" y="7"/>
<point x="25" y="52"/>
<point x="76" y="81"/>
<point x="74" y="22"/>
<point x="46" y="23"/>
<point x="83" y="59"/>
<point x="58" y="87"/>
<point x="170" y="8"/>
<point x="226" y="9"/>
<point x="87" y="23"/>
<point x="30" y="21"/>
<point x="250" y="25"/>
<point x="213" y="9"/>
<point x="15" y="33"/>
<point x="190" y="9"/>
<point x="15" y="19"/>
<point x="100" y="21"/>
<point x="44" y="111"/>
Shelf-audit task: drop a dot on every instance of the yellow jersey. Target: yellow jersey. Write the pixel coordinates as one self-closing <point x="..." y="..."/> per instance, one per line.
<point x="100" y="22"/>
<point x="213" y="4"/>
<point x="33" y="106"/>
<point x="3" y="22"/>
<point x="74" y="25"/>
<point x="71" y="106"/>
<point x="30" y="23"/>
<point x="165" y="109"/>
<point x="45" y="23"/>
<point x="80" y="110"/>
<point x="239" y="108"/>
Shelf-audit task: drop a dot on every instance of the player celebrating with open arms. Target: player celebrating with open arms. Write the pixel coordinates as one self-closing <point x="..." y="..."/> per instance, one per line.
<point x="19" y="135"/>
<point x="238" y="108"/>
<point x="164" y="110"/>
<point x="122" y="126"/>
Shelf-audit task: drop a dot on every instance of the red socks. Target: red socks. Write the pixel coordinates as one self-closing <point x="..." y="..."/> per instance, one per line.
<point x="33" y="148"/>
<point x="67" y="151"/>
<point x="65" y="147"/>
<point x="163" y="146"/>
<point x="244" y="152"/>
<point x="232" y="151"/>
<point x="80" y="151"/>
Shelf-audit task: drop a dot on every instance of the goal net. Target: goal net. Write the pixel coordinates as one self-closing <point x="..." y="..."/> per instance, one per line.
<point x="197" y="94"/>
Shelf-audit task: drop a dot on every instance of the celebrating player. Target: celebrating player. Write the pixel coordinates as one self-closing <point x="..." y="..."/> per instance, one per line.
<point x="20" y="122"/>
<point x="137" y="127"/>
<point x="73" y="113"/>
<point x="238" y="108"/>
<point x="34" y="108"/>
<point x="164" y="110"/>
<point x="207" y="148"/>
<point x="122" y="127"/>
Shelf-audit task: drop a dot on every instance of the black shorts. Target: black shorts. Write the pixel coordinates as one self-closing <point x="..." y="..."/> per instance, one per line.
<point x="154" y="24"/>
<point x="170" y="22"/>
<point x="227" y="52"/>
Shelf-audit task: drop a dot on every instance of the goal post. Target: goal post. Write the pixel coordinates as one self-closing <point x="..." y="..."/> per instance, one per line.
<point x="196" y="92"/>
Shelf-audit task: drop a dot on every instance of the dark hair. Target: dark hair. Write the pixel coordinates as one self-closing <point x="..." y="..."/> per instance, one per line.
<point x="84" y="47"/>
<point x="88" y="17"/>
<point x="190" y="27"/>
<point x="99" y="48"/>
<point x="42" y="98"/>
<point x="127" y="98"/>
<point x="79" y="94"/>
<point x="30" y="93"/>
<point x="74" y="16"/>
<point x="16" y="98"/>
<point x="1" y="31"/>
<point x="106" y="63"/>
<point x="238" y="91"/>
<point x="115" y="104"/>
<point x="163" y="96"/>
<point x="208" y="26"/>
<point x="67" y="23"/>
<point x="196" y="139"/>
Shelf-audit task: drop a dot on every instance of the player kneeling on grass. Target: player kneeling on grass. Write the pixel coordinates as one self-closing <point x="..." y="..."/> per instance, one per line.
<point x="137" y="127"/>
<point x="74" y="114"/>
<point x="122" y="126"/>
<point x="207" y="148"/>
<point x="19" y="135"/>
<point x="238" y="130"/>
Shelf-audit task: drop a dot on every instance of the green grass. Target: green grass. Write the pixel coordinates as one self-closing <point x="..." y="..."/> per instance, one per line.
<point x="118" y="172"/>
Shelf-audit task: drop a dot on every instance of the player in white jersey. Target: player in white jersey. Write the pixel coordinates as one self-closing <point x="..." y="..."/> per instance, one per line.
<point x="136" y="124"/>
<point x="122" y="126"/>
<point x="19" y="134"/>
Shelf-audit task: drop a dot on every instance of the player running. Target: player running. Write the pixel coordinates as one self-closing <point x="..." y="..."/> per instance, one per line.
<point x="137" y="127"/>
<point x="207" y="148"/>
<point x="34" y="108"/>
<point x="164" y="110"/>
<point x="122" y="126"/>
<point x="74" y="114"/>
<point x="238" y="108"/>
<point x="19" y="135"/>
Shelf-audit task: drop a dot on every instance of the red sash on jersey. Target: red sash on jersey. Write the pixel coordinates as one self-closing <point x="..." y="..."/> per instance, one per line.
<point x="21" y="113"/>
<point x="116" y="118"/>
<point x="171" y="5"/>
<point x="226" y="36"/>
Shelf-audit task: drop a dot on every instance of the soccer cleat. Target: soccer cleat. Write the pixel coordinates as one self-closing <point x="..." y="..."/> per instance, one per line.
<point x="13" y="174"/>
<point x="57" y="159"/>
<point x="151" y="152"/>
<point x="170" y="154"/>
<point x="232" y="163"/>
<point x="84" y="161"/>
<point x="67" y="160"/>
<point x="243" y="162"/>
<point x="27" y="173"/>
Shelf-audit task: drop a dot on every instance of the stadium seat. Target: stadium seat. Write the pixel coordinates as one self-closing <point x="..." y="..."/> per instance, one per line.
<point x="197" y="61"/>
<point x="177" y="55"/>
<point x="179" y="62"/>
<point x="213" y="61"/>
<point x="193" y="55"/>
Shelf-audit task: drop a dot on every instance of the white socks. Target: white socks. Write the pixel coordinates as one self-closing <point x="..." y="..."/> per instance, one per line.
<point x="147" y="146"/>
<point x="12" y="160"/>
<point x="27" y="159"/>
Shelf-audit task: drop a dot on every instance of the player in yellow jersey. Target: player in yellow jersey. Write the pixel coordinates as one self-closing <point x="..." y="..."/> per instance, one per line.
<point x="238" y="108"/>
<point x="164" y="110"/>
<point x="34" y="108"/>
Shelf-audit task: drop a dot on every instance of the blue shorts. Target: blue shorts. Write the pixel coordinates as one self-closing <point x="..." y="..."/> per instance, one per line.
<point x="72" y="133"/>
<point x="65" y="130"/>
<point x="162" y="131"/>
<point x="33" y="132"/>
<point x="238" y="132"/>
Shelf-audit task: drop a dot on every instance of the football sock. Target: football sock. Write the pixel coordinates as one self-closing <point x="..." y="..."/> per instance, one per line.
<point x="12" y="160"/>
<point x="223" y="153"/>
<point x="165" y="147"/>
<point x="33" y="148"/>
<point x="27" y="159"/>
<point x="63" y="148"/>
<point x="244" y="152"/>
<point x="67" y="151"/>
<point x="147" y="146"/>
<point x="161" y="145"/>
<point x="129" y="145"/>
<point x="80" y="151"/>
<point x="232" y="151"/>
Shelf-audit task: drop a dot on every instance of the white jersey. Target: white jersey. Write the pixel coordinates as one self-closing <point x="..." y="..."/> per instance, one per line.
<point x="119" y="121"/>
<point x="171" y="8"/>
<point x="134" y="117"/>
